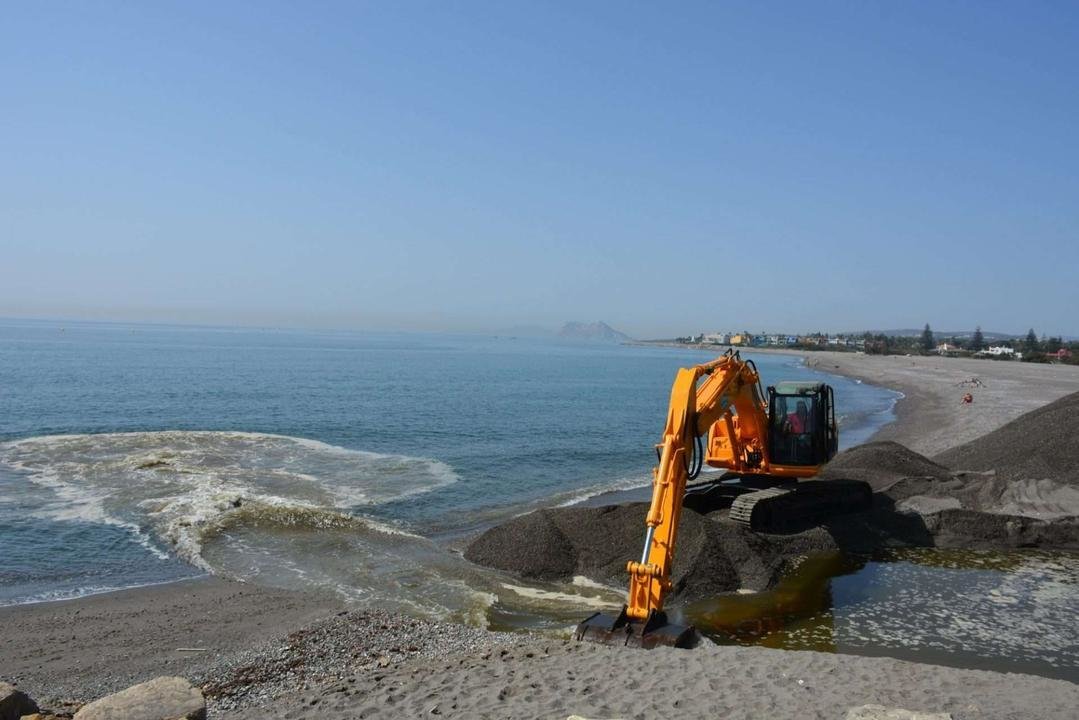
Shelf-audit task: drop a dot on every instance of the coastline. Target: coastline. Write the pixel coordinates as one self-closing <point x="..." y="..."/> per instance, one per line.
<point x="214" y="630"/>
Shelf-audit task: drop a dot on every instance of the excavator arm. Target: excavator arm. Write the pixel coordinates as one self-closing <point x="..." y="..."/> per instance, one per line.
<point x="730" y="384"/>
<point x="730" y="387"/>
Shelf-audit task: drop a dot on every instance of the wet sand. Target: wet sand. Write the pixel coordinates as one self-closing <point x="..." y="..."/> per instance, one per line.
<point x="82" y="649"/>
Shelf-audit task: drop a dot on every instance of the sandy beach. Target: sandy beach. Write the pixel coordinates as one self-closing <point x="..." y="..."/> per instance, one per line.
<point x="931" y="416"/>
<point x="567" y="679"/>
<point x="84" y="648"/>
<point x="260" y="652"/>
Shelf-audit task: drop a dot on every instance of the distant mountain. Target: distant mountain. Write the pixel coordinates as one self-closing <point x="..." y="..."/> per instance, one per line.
<point x="592" y="331"/>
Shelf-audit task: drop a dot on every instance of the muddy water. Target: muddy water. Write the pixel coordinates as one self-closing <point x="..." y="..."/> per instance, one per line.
<point x="1012" y="611"/>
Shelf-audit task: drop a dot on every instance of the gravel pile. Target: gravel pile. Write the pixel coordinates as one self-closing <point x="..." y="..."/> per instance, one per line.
<point x="1043" y="444"/>
<point x="333" y="649"/>
<point x="596" y="542"/>
<point x="882" y="464"/>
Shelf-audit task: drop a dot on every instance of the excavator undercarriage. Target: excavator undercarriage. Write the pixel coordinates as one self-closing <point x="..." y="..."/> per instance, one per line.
<point x="781" y="505"/>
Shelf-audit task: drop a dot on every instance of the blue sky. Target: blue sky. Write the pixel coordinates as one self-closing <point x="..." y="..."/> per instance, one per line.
<point x="476" y="166"/>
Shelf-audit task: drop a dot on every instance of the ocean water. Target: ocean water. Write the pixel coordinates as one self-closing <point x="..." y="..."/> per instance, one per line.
<point x="136" y="454"/>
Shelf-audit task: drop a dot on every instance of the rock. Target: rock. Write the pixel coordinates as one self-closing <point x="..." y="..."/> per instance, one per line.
<point x="163" y="698"/>
<point x="879" y="712"/>
<point x="14" y="703"/>
<point x="41" y="716"/>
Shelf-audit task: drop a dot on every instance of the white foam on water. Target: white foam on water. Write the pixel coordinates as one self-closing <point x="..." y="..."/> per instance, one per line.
<point x="173" y="488"/>
<point x="79" y="592"/>
<point x="551" y="596"/>
<point x="622" y="484"/>
<point x="583" y="582"/>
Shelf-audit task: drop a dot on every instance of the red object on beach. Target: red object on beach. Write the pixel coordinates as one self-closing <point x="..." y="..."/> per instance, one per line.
<point x="967" y="399"/>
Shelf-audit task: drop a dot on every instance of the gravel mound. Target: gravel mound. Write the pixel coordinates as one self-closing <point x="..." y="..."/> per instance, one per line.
<point x="1043" y="444"/>
<point x="882" y="464"/>
<point x="597" y="542"/>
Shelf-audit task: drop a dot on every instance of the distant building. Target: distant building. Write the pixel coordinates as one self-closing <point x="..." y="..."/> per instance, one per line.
<point x="1060" y="355"/>
<point x="999" y="351"/>
<point x="949" y="350"/>
<point x="738" y="339"/>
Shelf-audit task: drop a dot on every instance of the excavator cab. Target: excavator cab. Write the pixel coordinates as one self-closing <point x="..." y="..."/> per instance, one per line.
<point x="801" y="424"/>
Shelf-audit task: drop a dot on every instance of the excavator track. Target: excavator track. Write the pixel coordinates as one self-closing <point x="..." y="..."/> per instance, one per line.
<point x="799" y="505"/>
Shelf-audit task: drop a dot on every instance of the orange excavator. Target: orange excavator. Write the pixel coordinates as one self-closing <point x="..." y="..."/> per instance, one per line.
<point x="768" y="442"/>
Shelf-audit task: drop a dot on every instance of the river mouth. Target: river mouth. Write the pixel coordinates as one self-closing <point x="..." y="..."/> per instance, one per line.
<point x="1010" y="611"/>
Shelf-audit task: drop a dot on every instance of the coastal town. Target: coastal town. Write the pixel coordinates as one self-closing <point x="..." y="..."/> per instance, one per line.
<point x="1029" y="348"/>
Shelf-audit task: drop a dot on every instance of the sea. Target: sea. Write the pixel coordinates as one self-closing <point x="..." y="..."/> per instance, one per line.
<point x="355" y="463"/>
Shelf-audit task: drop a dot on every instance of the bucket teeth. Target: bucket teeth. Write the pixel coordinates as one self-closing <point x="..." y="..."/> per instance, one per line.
<point x="620" y="630"/>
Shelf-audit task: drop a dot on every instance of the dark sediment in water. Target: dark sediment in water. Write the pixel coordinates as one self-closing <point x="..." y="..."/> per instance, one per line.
<point x="1017" y="487"/>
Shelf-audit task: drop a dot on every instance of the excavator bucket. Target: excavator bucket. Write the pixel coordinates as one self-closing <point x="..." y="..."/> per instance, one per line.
<point x="620" y="630"/>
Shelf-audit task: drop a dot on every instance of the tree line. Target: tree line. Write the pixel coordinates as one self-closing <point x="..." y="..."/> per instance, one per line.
<point x="1032" y="348"/>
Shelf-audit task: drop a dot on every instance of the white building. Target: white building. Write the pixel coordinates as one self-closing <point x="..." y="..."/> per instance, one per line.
<point x="1000" y="351"/>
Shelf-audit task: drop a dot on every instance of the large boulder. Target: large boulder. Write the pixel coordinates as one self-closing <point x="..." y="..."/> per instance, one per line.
<point x="163" y="698"/>
<point x="14" y="703"/>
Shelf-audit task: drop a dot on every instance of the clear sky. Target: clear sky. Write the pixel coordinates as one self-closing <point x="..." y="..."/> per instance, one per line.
<point x="666" y="167"/>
